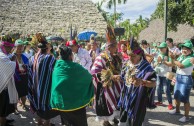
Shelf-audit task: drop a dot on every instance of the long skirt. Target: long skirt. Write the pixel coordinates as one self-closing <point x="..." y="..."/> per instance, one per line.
<point x="5" y="107"/>
<point x="183" y="87"/>
<point x="22" y="86"/>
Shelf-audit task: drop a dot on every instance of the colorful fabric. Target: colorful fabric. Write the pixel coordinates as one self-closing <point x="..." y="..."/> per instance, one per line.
<point x="134" y="100"/>
<point x="125" y="56"/>
<point x="25" y="61"/>
<point x="40" y="84"/>
<point x="72" y="87"/>
<point x="7" y="44"/>
<point x="111" y="93"/>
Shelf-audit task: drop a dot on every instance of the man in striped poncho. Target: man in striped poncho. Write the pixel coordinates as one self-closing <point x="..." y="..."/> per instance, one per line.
<point x="106" y="76"/>
<point x="40" y="85"/>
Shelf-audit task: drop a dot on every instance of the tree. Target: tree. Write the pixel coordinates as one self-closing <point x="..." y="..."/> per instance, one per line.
<point x="111" y="18"/>
<point x="179" y="12"/>
<point x="135" y="28"/>
<point x="143" y="23"/>
<point x="114" y="3"/>
<point x="99" y="7"/>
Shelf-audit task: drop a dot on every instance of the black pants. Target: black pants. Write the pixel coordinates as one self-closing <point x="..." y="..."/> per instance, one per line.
<point x="123" y="115"/>
<point x="47" y="115"/>
<point x="74" y="118"/>
<point x="5" y="107"/>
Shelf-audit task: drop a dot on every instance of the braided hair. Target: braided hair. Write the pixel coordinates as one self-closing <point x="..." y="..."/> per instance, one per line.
<point x="65" y="52"/>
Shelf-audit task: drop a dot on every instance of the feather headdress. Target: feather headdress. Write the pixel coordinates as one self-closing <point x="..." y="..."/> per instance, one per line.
<point x="110" y="36"/>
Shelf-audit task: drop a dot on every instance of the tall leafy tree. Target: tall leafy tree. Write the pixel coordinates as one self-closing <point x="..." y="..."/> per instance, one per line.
<point x="114" y="3"/>
<point x="179" y="12"/>
<point x="99" y="7"/>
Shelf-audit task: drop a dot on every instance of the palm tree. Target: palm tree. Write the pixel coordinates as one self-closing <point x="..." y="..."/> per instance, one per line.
<point x="143" y="23"/>
<point x="99" y="7"/>
<point x="127" y="25"/>
<point x="114" y="3"/>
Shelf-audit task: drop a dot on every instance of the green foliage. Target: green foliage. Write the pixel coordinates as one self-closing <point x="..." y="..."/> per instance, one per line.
<point x="112" y="2"/>
<point x="179" y="12"/>
<point x="135" y="28"/>
<point x="111" y="18"/>
<point x="130" y="29"/>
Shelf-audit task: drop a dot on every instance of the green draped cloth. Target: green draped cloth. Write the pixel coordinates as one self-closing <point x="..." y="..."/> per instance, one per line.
<point x="72" y="87"/>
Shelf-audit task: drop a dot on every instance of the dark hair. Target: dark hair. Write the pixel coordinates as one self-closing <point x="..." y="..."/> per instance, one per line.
<point x="167" y="52"/>
<point x="170" y="40"/>
<point x="144" y="42"/>
<point x="65" y="52"/>
<point x="124" y="44"/>
<point x="7" y="38"/>
<point x="42" y="45"/>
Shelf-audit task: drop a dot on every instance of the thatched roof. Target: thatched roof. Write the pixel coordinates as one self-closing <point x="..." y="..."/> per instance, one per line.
<point x="155" y="32"/>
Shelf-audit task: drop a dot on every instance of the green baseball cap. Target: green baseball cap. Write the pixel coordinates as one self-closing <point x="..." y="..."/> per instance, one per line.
<point x="26" y="42"/>
<point x="162" y="45"/>
<point x="187" y="44"/>
<point x="154" y="45"/>
<point x="19" y="42"/>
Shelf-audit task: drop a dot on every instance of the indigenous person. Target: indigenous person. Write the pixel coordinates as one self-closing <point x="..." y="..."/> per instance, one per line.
<point x="70" y="96"/>
<point x="106" y="79"/>
<point x="184" y="80"/>
<point x="139" y="82"/>
<point x="164" y="62"/>
<point x="40" y="87"/>
<point x="80" y="55"/>
<point x="8" y="92"/>
<point x="21" y="72"/>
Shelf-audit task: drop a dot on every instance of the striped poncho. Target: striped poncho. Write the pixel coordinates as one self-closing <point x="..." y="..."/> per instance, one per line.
<point x="41" y="80"/>
<point x="134" y="100"/>
<point x="111" y="93"/>
<point x="7" y="70"/>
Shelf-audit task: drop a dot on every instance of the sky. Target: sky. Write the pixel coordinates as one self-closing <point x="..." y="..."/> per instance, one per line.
<point x="133" y="8"/>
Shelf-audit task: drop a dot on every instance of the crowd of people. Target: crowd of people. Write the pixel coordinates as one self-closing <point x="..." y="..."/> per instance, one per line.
<point x="119" y="80"/>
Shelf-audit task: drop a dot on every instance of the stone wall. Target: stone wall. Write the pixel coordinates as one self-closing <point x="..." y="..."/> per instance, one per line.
<point x="49" y="16"/>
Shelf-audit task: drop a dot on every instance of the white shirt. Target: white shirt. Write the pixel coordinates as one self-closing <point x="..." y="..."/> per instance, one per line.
<point x="83" y="58"/>
<point x="185" y="71"/>
<point x="175" y="50"/>
<point x="28" y="55"/>
<point x="148" y="50"/>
